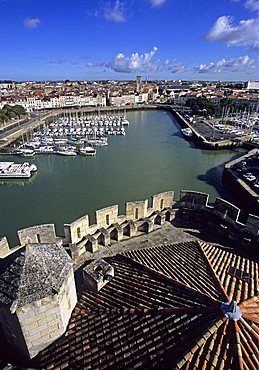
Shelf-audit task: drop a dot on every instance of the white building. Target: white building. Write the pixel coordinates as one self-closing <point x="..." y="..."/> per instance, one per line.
<point x="252" y="85"/>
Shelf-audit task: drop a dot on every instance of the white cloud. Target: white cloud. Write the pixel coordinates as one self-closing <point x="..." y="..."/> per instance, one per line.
<point x="175" y="67"/>
<point x="31" y="23"/>
<point x="252" y="5"/>
<point x="115" y="12"/>
<point x="155" y="3"/>
<point x="91" y="64"/>
<point x="230" y="65"/>
<point x="134" y="63"/>
<point x="246" y="33"/>
<point x="58" y="61"/>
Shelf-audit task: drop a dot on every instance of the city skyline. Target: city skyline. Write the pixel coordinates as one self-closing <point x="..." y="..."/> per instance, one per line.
<point x="119" y="39"/>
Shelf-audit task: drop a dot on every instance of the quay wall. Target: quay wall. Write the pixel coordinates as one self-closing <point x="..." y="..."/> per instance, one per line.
<point x="198" y="138"/>
<point x="192" y="207"/>
<point x="239" y="189"/>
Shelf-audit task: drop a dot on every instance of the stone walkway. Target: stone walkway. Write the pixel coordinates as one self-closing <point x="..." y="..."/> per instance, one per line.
<point x="165" y="234"/>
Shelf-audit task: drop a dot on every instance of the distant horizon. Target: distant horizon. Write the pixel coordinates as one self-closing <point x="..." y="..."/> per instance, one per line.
<point x="127" y="80"/>
<point x="119" y="39"/>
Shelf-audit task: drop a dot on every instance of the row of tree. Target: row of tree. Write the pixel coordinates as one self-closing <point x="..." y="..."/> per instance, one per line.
<point x="8" y="112"/>
<point x="203" y="106"/>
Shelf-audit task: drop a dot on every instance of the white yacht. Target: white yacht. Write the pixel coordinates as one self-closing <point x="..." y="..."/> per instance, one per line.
<point x="11" y="170"/>
<point x="26" y="152"/>
<point x="187" y="132"/>
<point x="87" y="150"/>
<point x="66" y="151"/>
<point x="46" y="149"/>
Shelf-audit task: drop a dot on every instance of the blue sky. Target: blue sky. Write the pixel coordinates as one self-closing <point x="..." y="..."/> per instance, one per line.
<point x="119" y="39"/>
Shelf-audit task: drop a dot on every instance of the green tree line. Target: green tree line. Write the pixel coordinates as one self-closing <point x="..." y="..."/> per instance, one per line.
<point x="203" y="106"/>
<point x="8" y="112"/>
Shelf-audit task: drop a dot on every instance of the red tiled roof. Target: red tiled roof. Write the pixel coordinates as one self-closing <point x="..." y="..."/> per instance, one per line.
<point x="162" y="310"/>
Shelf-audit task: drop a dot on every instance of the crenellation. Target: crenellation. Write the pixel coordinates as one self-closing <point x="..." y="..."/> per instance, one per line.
<point x="136" y="210"/>
<point x="38" y="234"/>
<point x="41" y="310"/>
<point x="162" y="200"/>
<point x="226" y="210"/>
<point x="4" y="247"/>
<point x="252" y="225"/>
<point x="81" y="237"/>
<point x="75" y="231"/>
<point x="107" y="216"/>
<point x="193" y="199"/>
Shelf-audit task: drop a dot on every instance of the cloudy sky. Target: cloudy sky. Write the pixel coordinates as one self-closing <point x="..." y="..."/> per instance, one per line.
<point x="119" y="39"/>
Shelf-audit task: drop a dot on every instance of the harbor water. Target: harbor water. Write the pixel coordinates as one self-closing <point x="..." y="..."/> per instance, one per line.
<point x="152" y="157"/>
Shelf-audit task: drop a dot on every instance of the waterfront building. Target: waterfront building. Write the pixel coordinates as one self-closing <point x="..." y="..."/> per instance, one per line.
<point x="252" y="85"/>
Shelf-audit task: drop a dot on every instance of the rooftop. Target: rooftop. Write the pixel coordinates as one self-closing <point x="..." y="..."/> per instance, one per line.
<point x="163" y="310"/>
<point x="32" y="273"/>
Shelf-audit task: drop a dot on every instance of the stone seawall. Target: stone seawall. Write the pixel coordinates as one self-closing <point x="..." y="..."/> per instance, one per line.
<point x="239" y="189"/>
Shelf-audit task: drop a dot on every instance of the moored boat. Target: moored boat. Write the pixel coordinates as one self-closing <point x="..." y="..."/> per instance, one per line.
<point x="66" y="151"/>
<point x="26" y="152"/>
<point x="11" y="170"/>
<point x="87" y="150"/>
<point x="45" y="150"/>
<point x="187" y="132"/>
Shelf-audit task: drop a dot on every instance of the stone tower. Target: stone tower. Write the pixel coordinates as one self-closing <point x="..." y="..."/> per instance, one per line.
<point x="37" y="296"/>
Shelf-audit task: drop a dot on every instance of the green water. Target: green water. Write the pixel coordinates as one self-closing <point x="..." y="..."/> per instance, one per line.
<point x="153" y="157"/>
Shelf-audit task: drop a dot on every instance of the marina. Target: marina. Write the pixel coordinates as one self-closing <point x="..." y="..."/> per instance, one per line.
<point x="71" y="135"/>
<point x="152" y="157"/>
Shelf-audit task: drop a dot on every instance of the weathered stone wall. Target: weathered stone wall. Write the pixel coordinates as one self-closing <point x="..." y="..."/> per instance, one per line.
<point x="4" y="247"/>
<point x="75" y="231"/>
<point x="12" y="331"/>
<point x="252" y="225"/>
<point x="193" y="199"/>
<point x="136" y="210"/>
<point x="226" y="210"/>
<point x="87" y="237"/>
<point x="97" y="274"/>
<point x="162" y="201"/>
<point x="45" y="320"/>
<point x="38" y="234"/>
<point x="107" y="216"/>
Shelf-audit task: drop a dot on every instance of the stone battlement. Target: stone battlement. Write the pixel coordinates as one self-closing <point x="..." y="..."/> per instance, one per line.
<point x="140" y="217"/>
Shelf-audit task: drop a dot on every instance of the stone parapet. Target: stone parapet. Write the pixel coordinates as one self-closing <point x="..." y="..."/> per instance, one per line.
<point x="4" y="247"/>
<point x="38" y="234"/>
<point x="81" y="237"/>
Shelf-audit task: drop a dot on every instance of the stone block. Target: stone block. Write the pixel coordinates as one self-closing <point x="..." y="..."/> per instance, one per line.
<point x="4" y="247"/>
<point x="38" y="234"/>
<point x="97" y="274"/>
<point x="107" y="216"/>
<point x="136" y="210"/>
<point x="225" y="210"/>
<point x="193" y="199"/>
<point x="77" y="230"/>
<point x="162" y="200"/>
<point x="115" y="232"/>
<point x="252" y="225"/>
